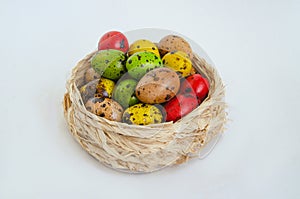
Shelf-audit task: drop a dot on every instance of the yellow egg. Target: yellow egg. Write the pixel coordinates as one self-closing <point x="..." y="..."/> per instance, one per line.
<point x="142" y="114"/>
<point x="178" y="61"/>
<point x="97" y="88"/>
<point x="143" y="45"/>
<point x="105" y="87"/>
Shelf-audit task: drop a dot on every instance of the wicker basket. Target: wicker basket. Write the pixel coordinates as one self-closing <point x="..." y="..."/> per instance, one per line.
<point x="148" y="148"/>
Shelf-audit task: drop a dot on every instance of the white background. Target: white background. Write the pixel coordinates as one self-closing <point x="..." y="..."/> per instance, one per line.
<point x="255" y="47"/>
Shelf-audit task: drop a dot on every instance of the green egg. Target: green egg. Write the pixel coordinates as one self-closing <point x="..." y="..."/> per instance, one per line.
<point x="140" y="63"/>
<point x="142" y="114"/>
<point x="109" y="63"/>
<point x="124" y="92"/>
<point x="133" y="100"/>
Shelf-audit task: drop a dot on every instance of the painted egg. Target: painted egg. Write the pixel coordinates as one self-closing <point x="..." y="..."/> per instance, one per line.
<point x="109" y="63"/>
<point x="113" y="40"/>
<point x="143" y="45"/>
<point x="158" y="86"/>
<point x="105" y="87"/>
<point x="197" y="84"/>
<point x="88" y="90"/>
<point x="178" y="61"/>
<point x="90" y="74"/>
<point x="97" y="88"/>
<point x="174" y="43"/>
<point x="140" y="63"/>
<point x="133" y="100"/>
<point x="180" y="106"/>
<point x="105" y="107"/>
<point x="142" y="114"/>
<point x="124" y="91"/>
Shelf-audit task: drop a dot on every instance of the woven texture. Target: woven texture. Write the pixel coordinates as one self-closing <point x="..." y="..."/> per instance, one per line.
<point x="148" y="148"/>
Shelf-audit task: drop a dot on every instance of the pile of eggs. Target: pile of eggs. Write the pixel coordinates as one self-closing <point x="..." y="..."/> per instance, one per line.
<point x="142" y="83"/>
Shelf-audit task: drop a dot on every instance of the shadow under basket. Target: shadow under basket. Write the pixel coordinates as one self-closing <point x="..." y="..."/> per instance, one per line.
<point x="135" y="148"/>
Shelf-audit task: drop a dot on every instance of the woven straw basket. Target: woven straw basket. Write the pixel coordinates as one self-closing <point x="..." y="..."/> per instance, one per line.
<point x="148" y="148"/>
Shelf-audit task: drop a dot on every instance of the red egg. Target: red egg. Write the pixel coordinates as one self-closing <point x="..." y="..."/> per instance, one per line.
<point x="180" y="106"/>
<point x="199" y="85"/>
<point x="113" y="40"/>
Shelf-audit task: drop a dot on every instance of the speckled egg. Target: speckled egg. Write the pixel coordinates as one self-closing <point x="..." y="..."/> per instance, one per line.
<point x="158" y="86"/>
<point x="90" y="74"/>
<point x="178" y="61"/>
<point x="105" y="107"/>
<point x="140" y="63"/>
<point x="97" y="88"/>
<point x="180" y="106"/>
<point x="109" y="63"/>
<point x="113" y="40"/>
<point x="142" y="114"/>
<point x="88" y="90"/>
<point x="173" y="42"/>
<point x="124" y="91"/>
<point x="143" y="45"/>
<point x="105" y="87"/>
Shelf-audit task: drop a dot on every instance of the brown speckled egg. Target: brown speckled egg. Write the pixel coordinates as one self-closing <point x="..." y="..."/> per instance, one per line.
<point x="174" y="43"/>
<point x="90" y="75"/>
<point x="87" y="91"/>
<point x="158" y="86"/>
<point x="105" y="107"/>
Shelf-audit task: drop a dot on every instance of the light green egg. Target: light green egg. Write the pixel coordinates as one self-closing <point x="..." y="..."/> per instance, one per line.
<point x="140" y="63"/>
<point x="124" y="92"/>
<point x="109" y="63"/>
